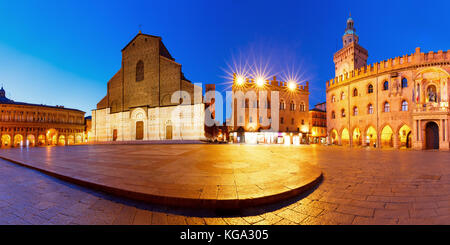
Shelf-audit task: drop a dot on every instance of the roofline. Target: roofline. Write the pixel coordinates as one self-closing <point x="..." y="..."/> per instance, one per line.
<point x="160" y="38"/>
<point x="38" y="105"/>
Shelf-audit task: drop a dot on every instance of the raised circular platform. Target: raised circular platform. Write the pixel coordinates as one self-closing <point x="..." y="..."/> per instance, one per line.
<point x="193" y="176"/>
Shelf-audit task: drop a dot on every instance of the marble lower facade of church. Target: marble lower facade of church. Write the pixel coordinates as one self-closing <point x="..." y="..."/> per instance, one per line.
<point x="182" y="122"/>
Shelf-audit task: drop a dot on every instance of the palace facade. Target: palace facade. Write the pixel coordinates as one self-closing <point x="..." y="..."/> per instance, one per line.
<point x="399" y="102"/>
<point x="252" y="125"/>
<point x="24" y="124"/>
<point x="149" y="98"/>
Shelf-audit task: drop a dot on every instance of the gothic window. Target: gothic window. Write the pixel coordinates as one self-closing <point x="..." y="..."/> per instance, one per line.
<point x="355" y="111"/>
<point x="342" y="96"/>
<point x="302" y="107"/>
<point x="387" y="107"/>
<point x="370" y="109"/>
<point x="404" y="105"/>
<point x="343" y="113"/>
<point x="282" y="105"/>
<point x="292" y="106"/>
<point x="355" y="92"/>
<point x="333" y="98"/>
<point x="404" y="82"/>
<point x="333" y="115"/>
<point x="370" y="89"/>
<point x="140" y="71"/>
<point x="386" y="85"/>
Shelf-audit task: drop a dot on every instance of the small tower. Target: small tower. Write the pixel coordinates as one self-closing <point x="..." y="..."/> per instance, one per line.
<point x="2" y="93"/>
<point x="350" y="33"/>
<point x="352" y="56"/>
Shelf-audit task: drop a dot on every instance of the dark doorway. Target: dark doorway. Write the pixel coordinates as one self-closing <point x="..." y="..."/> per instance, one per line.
<point x="432" y="135"/>
<point x="139" y="130"/>
<point x="114" y="134"/>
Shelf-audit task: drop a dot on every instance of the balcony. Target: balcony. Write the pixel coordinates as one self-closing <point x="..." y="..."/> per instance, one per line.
<point x="432" y="107"/>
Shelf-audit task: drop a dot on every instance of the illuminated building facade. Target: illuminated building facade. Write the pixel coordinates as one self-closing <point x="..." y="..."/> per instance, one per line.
<point x="249" y="125"/>
<point x="24" y="124"/>
<point x="149" y="98"/>
<point x="318" y="120"/>
<point x="399" y="102"/>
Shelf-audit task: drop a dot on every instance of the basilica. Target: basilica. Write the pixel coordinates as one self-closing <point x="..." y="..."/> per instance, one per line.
<point x="402" y="102"/>
<point x="149" y="98"/>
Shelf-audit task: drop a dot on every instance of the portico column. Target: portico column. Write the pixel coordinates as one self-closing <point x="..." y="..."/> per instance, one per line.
<point x="396" y="141"/>
<point x="363" y="139"/>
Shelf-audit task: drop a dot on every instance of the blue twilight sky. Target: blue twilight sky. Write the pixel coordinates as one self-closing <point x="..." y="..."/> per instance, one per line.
<point x="64" y="52"/>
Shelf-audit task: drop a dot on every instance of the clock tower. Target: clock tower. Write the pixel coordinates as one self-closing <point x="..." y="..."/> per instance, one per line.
<point x="352" y="56"/>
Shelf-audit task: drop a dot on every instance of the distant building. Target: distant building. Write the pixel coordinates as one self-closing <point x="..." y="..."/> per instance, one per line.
<point x="293" y="119"/>
<point x="139" y="102"/>
<point x="318" y="122"/>
<point x="24" y="124"/>
<point x="399" y="102"/>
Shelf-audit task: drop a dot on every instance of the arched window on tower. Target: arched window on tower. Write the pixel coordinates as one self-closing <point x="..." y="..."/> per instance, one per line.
<point x="140" y="71"/>
<point x="355" y="92"/>
<point x="333" y="115"/>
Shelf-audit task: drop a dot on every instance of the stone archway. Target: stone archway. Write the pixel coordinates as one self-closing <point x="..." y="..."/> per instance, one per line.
<point x="334" y="137"/>
<point x="371" y="136"/>
<point x="357" y="137"/>
<point x="431" y="136"/>
<point x="31" y="140"/>
<point x="387" y="137"/>
<point x="71" y="140"/>
<point x="6" y="140"/>
<point x="41" y="139"/>
<point x="18" y="140"/>
<point x="404" y="136"/>
<point x="62" y="140"/>
<point x="345" y="137"/>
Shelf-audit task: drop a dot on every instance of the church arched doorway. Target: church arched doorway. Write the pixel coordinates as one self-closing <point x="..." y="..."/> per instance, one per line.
<point x="431" y="135"/>
<point x="168" y="132"/>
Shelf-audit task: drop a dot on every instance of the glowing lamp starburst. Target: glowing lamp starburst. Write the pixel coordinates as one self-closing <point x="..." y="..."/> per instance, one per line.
<point x="240" y="80"/>
<point x="260" y="82"/>
<point x="292" y="85"/>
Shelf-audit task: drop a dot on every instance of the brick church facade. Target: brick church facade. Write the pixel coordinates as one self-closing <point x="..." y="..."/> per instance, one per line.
<point x="149" y="98"/>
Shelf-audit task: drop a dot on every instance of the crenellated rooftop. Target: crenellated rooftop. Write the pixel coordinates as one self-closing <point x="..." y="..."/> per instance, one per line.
<point x="416" y="59"/>
<point x="249" y="83"/>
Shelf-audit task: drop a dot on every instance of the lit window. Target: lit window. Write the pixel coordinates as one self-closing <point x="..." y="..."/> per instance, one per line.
<point x="370" y="109"/>
<point x="342" y="96"/>
<point x="355" y="111"/>
<point x="404" y="105"/>
<point x="386" y="107"/>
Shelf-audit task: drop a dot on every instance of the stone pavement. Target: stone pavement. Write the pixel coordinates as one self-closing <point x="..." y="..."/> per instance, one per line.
<point x="360" y="186"/>
<point x="200" y="176"/>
